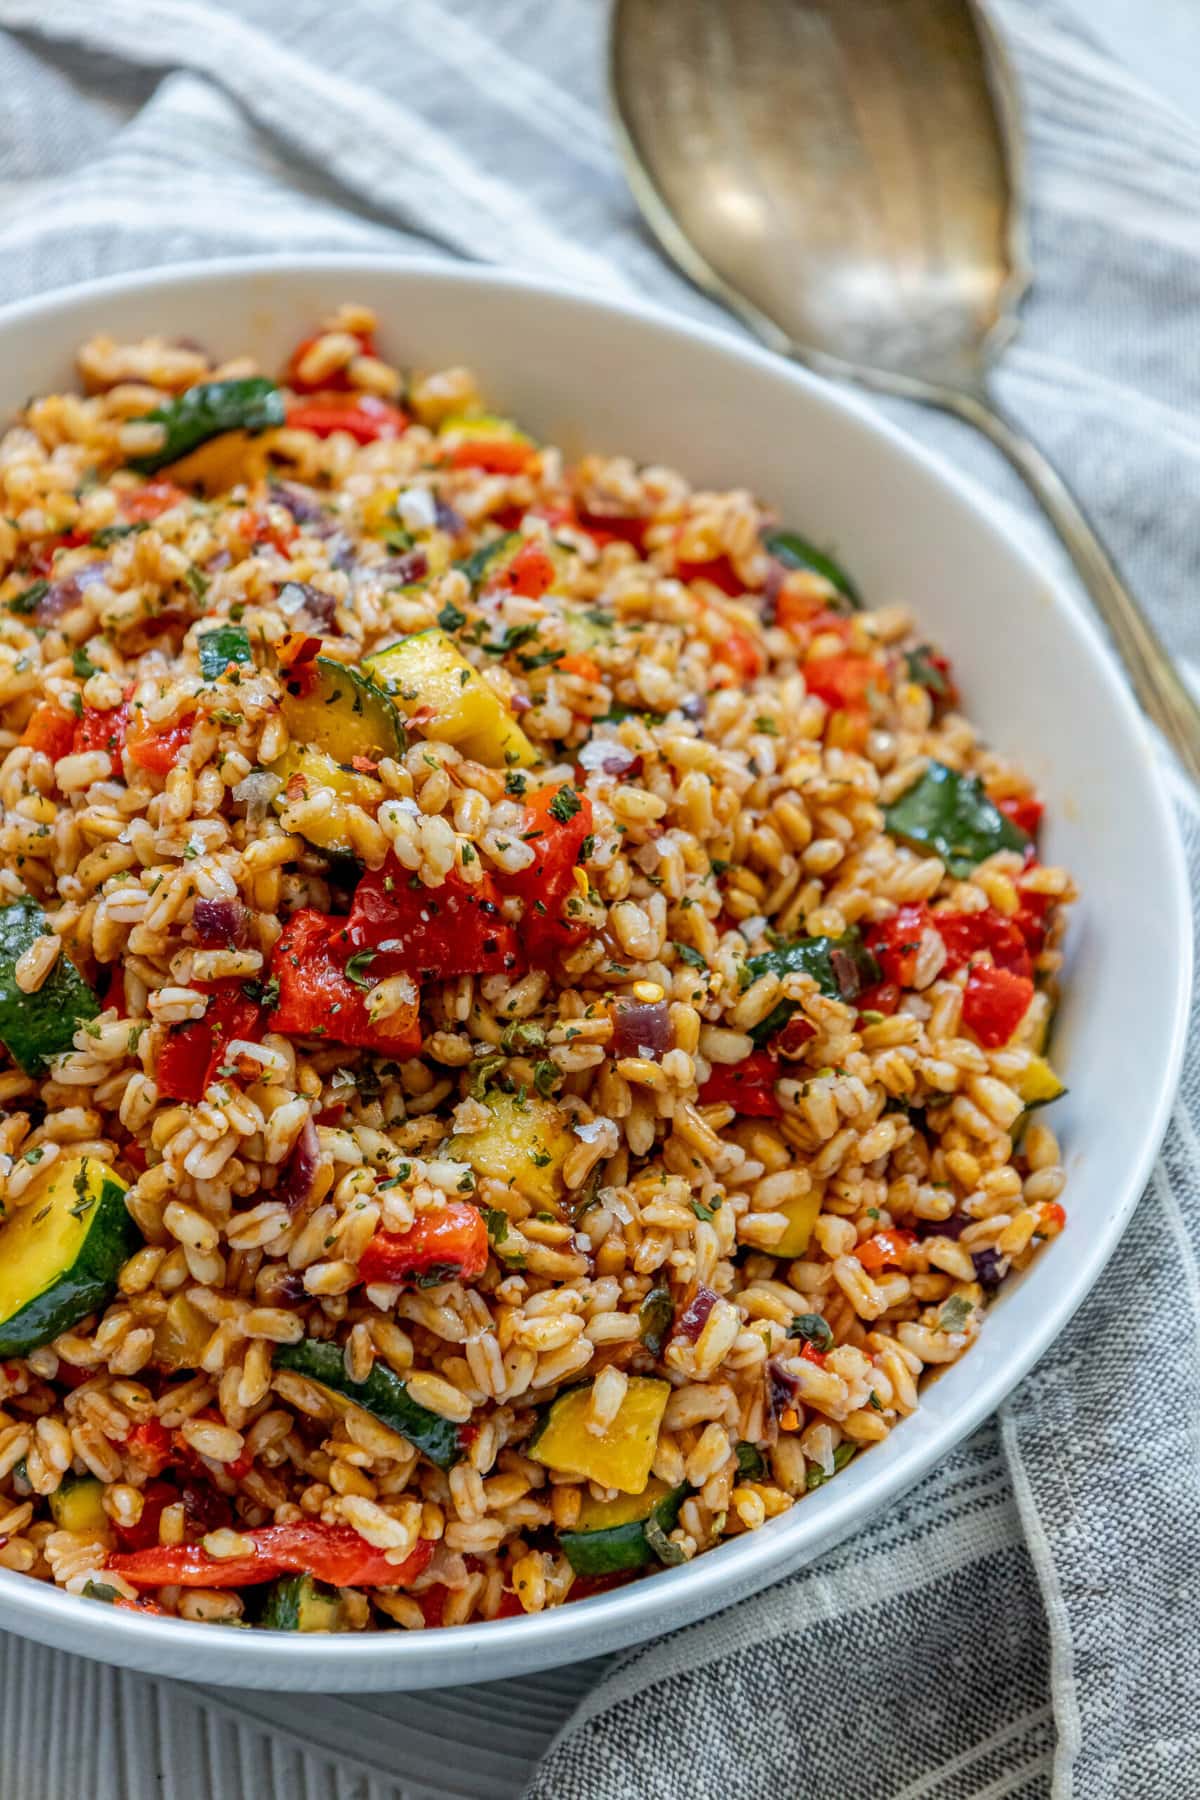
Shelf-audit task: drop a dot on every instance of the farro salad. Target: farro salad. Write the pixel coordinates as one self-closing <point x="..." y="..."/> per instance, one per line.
<point x="522" y="1001"/>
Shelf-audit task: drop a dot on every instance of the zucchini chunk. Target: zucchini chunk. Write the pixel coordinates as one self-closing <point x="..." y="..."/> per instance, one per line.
<point x="35" y="1027"/>
<point x="77" y="1504"/>
<point x="308" y="773"/>
<point x="524" y="1146"/>
<point x="61" y="1252"/>
<point x="612" y="1534"/>
<point x="328" y="706"/>
<point x="621" y="1456"/>
<point x="382" y="1394"/>
<point x="427" y="674"/>
<point x="301" y="1603"/>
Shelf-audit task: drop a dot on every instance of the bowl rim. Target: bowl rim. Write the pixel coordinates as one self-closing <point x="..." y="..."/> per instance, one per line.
<point x="681" y="1596"/>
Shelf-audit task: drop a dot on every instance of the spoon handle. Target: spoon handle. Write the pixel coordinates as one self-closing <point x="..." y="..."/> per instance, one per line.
<point x="1155" y="679"/>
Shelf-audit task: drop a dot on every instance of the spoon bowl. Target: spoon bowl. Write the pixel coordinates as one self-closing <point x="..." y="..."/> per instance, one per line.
<point x="845" y="175"/>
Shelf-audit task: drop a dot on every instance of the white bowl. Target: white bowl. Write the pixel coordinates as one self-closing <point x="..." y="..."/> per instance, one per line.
<point x="585" y="372"/>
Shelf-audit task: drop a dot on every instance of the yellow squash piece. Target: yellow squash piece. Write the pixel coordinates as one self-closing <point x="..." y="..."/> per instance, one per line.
<point x="1038" y="1085"/>
<point x="329" y="706"/>
<point x="432" y="683"/>
<point x="622" y="1455"/>
<point x="231" y="458"/>
<point x="525" y="1145"/>
<point x="471" y="428"/>
<point x="311" y="774"/>
<point x="77" y="1504"/>
<point x="61" y="1252"/>
<point x="801" y="1215"/>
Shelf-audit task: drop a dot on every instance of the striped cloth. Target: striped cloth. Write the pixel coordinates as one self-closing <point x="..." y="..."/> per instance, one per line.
<point x="1022" y="1622"/>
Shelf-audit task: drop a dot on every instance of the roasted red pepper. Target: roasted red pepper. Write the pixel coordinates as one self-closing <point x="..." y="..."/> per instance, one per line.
<point x="51" y="729"/>
<point x="336" y="382"/>
<point x="844" y="682"/>
<point x="448" y="1245"/>
<point x="717" y="569"/>
<point x="454" y="929"/>
<point x="1025" y="811"/>
<point x="364" y="417"/>
<point x="192" y="1053"/>
<point x="156" y="1497"/>
<point x="748" y="1086"/>
<point x="140" y="505"/>
<point x="994" y="1004"/>
<point x="896" y="941"/>
<point x="741" y="655"/>
<point x="98" y="730"/>
<point x="495" y="456"/>
<point x="149" y="1444"/>
<point x="883" y="997"/>
<point x="332" y="1553"/>
<point x="884" y="1249"/>
<point x="530" y="572"/>
<point x="616" y="528"/>
<point x="318" y="998"/>
<point x="159" y="751"/>
<point x="557" y="821"/>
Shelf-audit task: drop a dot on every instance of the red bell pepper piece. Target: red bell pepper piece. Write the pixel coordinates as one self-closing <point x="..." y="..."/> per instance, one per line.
<point x="894" y="942"/>
<point x="256" y="524"/>
<point x="616" y="528"/>
<point x="965" y="934"/>
<point x="885" y="1247"/>
<point x="364" y="417"/>
<point x="317" y="998"/>
<point x="530" y="572"/>
<point x="192" y="1053"/>
<point x="159" y="751"/>
<point x="338" y="381"/>
<point x="149" y="1444"/>
<point x="332" y="1553"/>
<point x="741" y="655"/>
<point x="581" y="664"/>
<point x="717" y="569"/>
<point x="454" y="929"/>
<point x="748" y="1086"/>
<point x="549" y="881"/>
<point x="811" y="1354"/>
<point x="51" y="729"/>
<point x="844" y="682"/>
<point x="883" y="997"/>
<point x="448" y="1245"/>
<point x="150" y="501"/>
<point x="1025" y="811"/>
<point x="98" y="730"/>
<point x="994" y="1004"/>
<point x="495" y="456"/>
<point x="156" y="1497"/>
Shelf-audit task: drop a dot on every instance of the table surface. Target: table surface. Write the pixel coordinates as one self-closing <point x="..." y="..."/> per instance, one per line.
<point x="118" y="1736"/>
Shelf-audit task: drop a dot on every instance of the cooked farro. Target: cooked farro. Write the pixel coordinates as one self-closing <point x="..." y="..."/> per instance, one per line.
<point x="522" y="1003"/>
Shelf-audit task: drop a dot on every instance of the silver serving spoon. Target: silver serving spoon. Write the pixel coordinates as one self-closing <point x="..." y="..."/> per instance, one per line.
<point x="845" y="175"/>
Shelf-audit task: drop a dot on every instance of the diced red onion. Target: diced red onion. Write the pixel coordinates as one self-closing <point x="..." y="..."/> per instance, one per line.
<point x="607" y="755"/>
<point x="449" y="519"/>
<point x="301" y="502"/>
<point x="301" y="601"/>
<point x="300" y="1170"/>
<point x="62" y="595"/>
<point x="412" y="566"/>
<point x="691" y="1320"/>
<point x="219" y="922"/>
<point x="641" y="1028"/>
<point x="782" y="1391"/>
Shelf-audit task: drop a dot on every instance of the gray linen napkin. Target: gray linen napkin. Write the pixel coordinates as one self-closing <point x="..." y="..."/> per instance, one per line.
<point x="1023" y="1620"/>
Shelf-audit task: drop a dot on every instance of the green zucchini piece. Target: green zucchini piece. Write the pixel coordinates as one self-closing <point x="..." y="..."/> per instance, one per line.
<point x="35" y="1027"/>
<point x="61" y="1252"/>
<point x="342" y="711"/>
<point x="203" y="412"/>
<point x="751" y="1464"/>
<point x="227" y="644"/>
<point x="489" y="559"/>
<point x="612" y="1534"/>
<point x="841" y="968"/>
<point x="77" y="1504"/>
<point x="382" y="1394"/>
<point x="656" y="1315"/>
<point x="951" y="815"/>
<point x="795" y="552"/>
<point x="300" y="1603"/>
